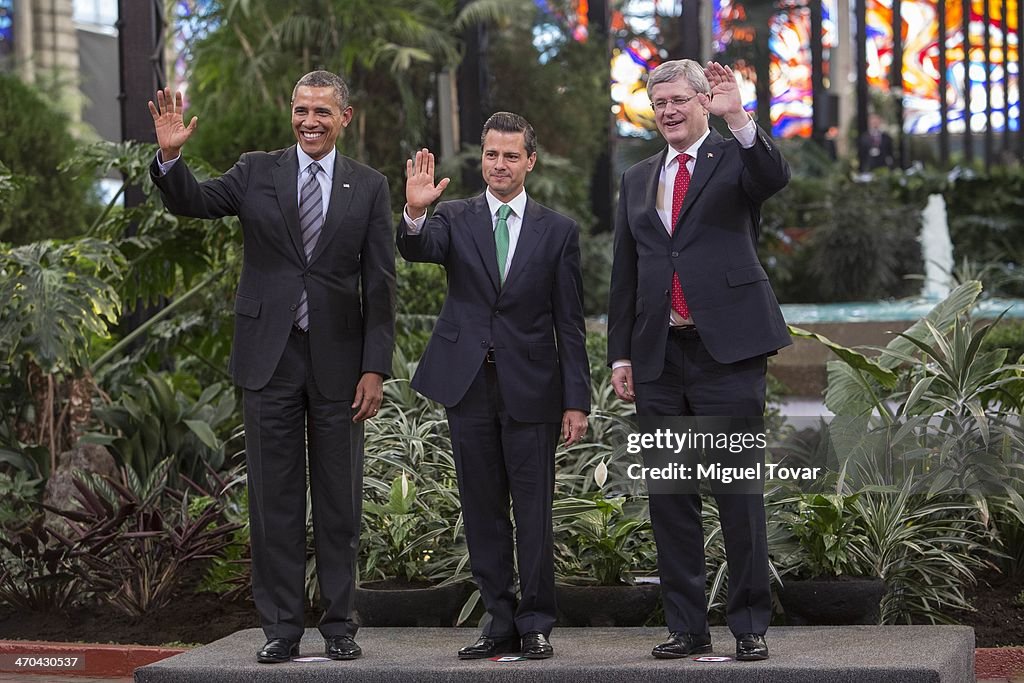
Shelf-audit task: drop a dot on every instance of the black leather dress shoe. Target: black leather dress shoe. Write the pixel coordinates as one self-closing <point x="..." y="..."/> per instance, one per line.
<point x="536" y="646"/>
<point x="751" y="647"/>
<point x="486" y="647"/>
<point x="278" y="650"/>
<point x="681" y="645"/>
<point x="342" y="647"/>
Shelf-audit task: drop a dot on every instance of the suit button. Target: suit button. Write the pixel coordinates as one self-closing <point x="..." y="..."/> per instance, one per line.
<point x="666" y="292"/>
<point x="484" y="345"/>
<point x="497" y="312"/>
<point x="293" y="307"/>
<point x="675" y="254"/>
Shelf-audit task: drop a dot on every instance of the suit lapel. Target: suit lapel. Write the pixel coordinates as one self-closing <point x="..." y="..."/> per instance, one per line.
<point x="286" y="184"/>
<point x="710" y="153"/>
<point x="531" y="229"/>
<point x="482" y="229"/>
<point x="342" y="187"/>
<point x="654" y="165"/>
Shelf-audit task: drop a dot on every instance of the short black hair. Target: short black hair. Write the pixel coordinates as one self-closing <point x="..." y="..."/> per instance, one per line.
<point x="507" y="122"/>
<point x="324" y="79"/>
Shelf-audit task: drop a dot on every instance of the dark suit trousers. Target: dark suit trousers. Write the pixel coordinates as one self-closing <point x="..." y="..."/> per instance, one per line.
<point x="693" y="383"/>
<point x="497" y="457"/>
<point x="278" y="419"/>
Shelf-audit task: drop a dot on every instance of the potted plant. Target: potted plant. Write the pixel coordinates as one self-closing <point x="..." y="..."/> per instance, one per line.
<point x="601" y="544"/>
<point x="828" y="585"/>
<point x="408" y="560"/>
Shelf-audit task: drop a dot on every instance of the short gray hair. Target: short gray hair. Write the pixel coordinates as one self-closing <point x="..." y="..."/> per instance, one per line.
<point x="324" y="79"/>
<point x="671" y="71"/>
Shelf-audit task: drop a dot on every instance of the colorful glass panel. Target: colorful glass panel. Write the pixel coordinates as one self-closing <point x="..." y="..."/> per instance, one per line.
<point x="920" y="29"/>
<point x="640" y="31"/>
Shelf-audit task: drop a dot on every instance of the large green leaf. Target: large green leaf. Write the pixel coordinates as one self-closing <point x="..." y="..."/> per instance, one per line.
<point x="886" y="377"/>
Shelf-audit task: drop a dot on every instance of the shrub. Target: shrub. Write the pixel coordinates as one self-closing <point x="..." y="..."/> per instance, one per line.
<point x="47" y="202"/>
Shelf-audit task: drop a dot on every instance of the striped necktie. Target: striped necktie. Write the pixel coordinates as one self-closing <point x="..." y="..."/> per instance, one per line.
<point x="311" y="221"/>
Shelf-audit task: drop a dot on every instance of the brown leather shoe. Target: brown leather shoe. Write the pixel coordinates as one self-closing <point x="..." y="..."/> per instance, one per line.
<point x="681" y="645"/>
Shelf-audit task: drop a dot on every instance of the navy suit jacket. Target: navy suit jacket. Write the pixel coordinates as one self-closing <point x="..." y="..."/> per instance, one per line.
<point x="534" y="321"/>
<point x="349" y="279"/>
<point x="713" y="249"/>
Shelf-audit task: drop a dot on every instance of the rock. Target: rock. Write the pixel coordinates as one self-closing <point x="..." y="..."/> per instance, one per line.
<point x="60" y="487"/>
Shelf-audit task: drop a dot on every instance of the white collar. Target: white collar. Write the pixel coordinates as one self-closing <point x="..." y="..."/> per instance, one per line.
<point x="518" y="203"/>
<point x="326" y="164"/>
<point x="691" y="150"/>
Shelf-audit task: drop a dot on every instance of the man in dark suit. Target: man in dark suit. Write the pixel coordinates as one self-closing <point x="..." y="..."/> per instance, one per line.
<point x="314" y="335"/>
<point x="508" y="360"/>
<point x="691" y="319"/>
<point x="875" y="148"/>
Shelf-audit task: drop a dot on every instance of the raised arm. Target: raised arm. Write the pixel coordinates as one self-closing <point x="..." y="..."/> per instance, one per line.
<point x="168" y="120"/>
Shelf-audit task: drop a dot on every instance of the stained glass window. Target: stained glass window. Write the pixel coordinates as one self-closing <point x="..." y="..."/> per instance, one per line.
<point x="6" y="28"/>
<point x="734" y="35"/>
<point x="558" y="22"/>
<point x="641" y="31"/>
<point x="920" y="31"/>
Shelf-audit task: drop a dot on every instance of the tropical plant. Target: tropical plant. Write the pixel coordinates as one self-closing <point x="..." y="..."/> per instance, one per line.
<point x="825" y="525"/>
<point x="55" y="300"/>
<point x="932" y="427"/>
<point x="37" y="571"/>
<point x="602" y="541"/>
<point x="133" y="538"/>
<point x="17" y="493"/>
<point x="153" y="420"/>
<point x="926" y="548"/>
<point x="39" y="200"/>
<point x="408" y="537"/>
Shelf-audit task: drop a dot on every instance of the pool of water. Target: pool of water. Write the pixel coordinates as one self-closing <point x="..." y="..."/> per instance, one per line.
<point x="885" y="311"/>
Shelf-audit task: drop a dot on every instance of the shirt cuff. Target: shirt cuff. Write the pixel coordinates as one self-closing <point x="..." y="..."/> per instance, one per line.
<point x="165" y="166"/>
<point x="745" y="135"/>
<point x="621" y="364"/>
<point x="413" y="225"/>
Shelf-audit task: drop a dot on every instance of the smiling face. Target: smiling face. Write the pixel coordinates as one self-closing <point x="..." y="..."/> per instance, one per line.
<point x="680" y="125"/>
<point x="505" y="163"/>
<point x="317" y="119"/>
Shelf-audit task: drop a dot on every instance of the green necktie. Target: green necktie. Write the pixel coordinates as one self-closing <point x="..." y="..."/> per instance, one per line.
<point x="501" y="238"/>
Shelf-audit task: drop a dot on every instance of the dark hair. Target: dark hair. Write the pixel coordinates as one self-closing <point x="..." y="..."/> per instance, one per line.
<point x="507" y="122"/>
<point x="324" y="79"/>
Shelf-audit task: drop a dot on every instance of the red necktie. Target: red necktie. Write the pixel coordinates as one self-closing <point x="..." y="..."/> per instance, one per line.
<point x="682" y="184"/>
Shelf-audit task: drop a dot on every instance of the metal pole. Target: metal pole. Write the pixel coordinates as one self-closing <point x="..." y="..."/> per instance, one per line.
<point x="988" y="85"/>
<point x="818" y="124"/>
<point x="943" y="104"/>
<point x="968" y="136"/>
<point x="862" y="67"/>
<point x="896" y="81"/>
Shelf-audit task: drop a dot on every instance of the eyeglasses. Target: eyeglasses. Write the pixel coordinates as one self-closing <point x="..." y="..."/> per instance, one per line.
<point x="677" y="102"/>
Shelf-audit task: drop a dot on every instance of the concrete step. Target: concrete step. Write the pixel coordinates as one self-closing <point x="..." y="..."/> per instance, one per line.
<point x="820" y="654"/>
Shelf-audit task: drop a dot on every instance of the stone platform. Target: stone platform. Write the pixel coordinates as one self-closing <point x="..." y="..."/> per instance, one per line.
<point x="821" y="654"/>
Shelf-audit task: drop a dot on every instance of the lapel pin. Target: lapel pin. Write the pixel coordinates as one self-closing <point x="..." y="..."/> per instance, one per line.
<point x="344" y="185"/>
<point x="710" y="155"/>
